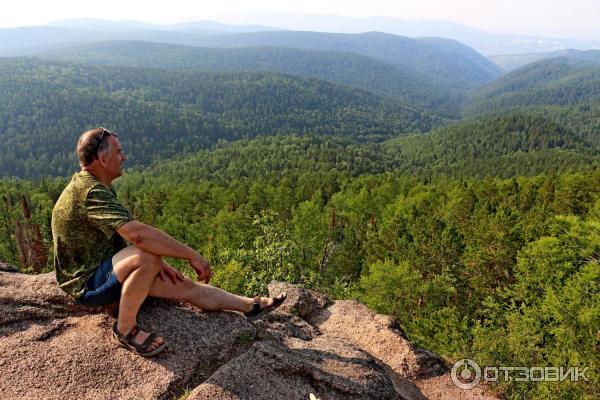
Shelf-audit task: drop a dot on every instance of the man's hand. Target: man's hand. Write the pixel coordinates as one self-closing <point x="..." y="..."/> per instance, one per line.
<point x="169" y="272"/>
<point x="202" y="268"/>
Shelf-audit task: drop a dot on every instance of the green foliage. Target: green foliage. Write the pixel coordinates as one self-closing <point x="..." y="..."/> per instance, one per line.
<point x="508" y="144"/>
<point x="47" y="105"/>
<point x="231" y="277"/>
<point x="245" y="338"/>
<point x="269" y="258"/>
<point x="358" y="71"/>
<point x="443" y="61"/>
<point x="423" y="305"/>
<point x="481" y="237"/>
<point x="551" y="315"/>
<point x="557" y="81"/>
<point x="513" y="144"/>
<point x="502" y="270"/>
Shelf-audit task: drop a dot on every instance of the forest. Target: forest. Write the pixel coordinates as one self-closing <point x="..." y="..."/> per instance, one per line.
<point x="172" y="112"/>
<point x="460" y="262"/>
<point x="471" y="215"/>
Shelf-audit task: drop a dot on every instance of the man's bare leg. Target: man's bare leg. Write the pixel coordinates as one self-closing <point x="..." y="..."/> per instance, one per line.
<point x="137" y="271"/>
<point x="203" y="296"/>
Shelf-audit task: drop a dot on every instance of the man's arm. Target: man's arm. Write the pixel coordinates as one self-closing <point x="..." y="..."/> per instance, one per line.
<point x="155" y="241"/>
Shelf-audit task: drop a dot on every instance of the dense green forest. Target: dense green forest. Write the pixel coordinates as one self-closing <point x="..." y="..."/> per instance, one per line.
<point x="509" y="145"/>
<point x="45" y="105"/>
<point x="558" y="81"/>
<point x="440" y="61"/>
<point x="333" y="163"/>
<point x="460" y="263"/>
<point x="351" y="69"/>
<point x="164" y="113"/>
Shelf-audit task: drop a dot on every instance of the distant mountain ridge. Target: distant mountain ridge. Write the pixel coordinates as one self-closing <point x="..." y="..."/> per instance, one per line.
<point x="127" y="25"/>
<point x="181" y="90"/>
<point x="488" y="44"/>
<point x="510" y="62"/>
<point x="350" y="69"/>
<point x="484" y="42"/>
<point x="439" y="61"/>
<point x="557" y="81"/>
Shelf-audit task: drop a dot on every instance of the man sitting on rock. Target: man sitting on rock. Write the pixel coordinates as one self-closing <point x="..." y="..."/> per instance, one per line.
<point x="94" y="265"/>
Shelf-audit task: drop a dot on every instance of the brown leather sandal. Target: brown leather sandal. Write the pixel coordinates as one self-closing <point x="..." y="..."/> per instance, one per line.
<point x="127" y="341"/>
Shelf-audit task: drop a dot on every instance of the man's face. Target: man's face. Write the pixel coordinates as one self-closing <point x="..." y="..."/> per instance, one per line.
<point x="113" y="158"/>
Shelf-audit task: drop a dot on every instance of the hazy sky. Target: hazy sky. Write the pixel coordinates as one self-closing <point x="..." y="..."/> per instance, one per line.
<point x="572" y="18"/>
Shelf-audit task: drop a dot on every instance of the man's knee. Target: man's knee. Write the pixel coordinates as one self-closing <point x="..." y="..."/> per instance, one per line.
<point x="146" y="260"/>
<point x="132" y="258"/>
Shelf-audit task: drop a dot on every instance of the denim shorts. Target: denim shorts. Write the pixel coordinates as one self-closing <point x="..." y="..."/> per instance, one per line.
<point x="102" y="288"/>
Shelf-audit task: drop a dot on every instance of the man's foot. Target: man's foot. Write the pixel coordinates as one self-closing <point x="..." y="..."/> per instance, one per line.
<point x="144" y="343"/>
<point x="264" y="305"/>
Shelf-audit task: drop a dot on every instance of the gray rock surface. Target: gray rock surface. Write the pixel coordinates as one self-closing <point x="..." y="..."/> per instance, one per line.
<point x="296" y="368"/>
<point x="380" y="335"/>
<point x="8" y="268"/>
<point x="52" y="349"/>
<point x="301" y="302"/>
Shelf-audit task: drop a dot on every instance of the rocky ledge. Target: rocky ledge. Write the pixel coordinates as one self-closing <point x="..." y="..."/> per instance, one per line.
<point x="52" y="349"/>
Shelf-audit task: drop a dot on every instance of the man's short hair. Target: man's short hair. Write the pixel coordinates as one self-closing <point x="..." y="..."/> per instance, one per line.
<point x="91" y="143"/>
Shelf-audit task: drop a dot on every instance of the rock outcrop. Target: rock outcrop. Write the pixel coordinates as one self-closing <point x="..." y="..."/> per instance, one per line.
<point x="52" y="349"/>
<point x="7" y="268"/>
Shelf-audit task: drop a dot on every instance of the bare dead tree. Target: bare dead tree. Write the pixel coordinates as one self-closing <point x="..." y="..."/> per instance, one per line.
<point x="330" y="245"/>
<point x="5" y="220"/>
<point x="32" y="252"/>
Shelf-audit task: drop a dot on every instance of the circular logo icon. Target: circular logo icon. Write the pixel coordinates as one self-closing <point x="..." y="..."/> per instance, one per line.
<point x="465" y="374"/>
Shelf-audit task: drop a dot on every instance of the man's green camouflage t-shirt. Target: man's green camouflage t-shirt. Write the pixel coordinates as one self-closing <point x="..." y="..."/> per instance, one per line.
<point x="85" y="220"/>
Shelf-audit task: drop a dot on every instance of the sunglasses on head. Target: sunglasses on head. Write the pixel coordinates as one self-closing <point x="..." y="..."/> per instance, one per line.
<point x="105" y="132"/>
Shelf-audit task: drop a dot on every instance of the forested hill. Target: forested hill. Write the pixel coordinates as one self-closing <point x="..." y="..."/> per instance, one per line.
<point x="507" y="145"/>
<point x="514" y="144"/>
<point x="439" y="61"/>
<point x="510" y="62"/>
<point x="484" y="68"/>
<point x="276" y="176"/>
<point x="350" y="69"/>
<point x="46" y="105"/>
<point x="559" y="81"/>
